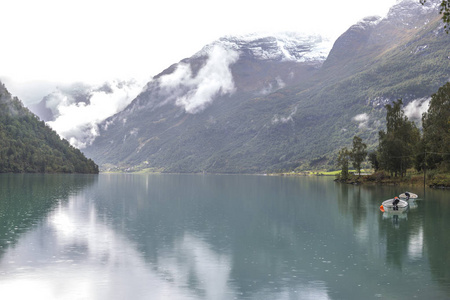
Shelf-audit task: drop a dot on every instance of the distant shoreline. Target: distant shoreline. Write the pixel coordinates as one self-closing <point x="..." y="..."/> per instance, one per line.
<point x="441" y="181"/>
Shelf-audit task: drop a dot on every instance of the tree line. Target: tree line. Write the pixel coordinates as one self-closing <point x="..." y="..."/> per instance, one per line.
<point x="403" y="145"/>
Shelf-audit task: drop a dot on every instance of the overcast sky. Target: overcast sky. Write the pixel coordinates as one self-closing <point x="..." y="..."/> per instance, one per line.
<point x="98" y="40"/>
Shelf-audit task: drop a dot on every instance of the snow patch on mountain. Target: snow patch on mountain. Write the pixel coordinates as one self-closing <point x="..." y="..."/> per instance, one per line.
<point x="407" y="10"/>
<point x="194" y="92"/>
<point x="281" y="46"/>
<point x="368" y="22"/>
<point x="194" y="86"/>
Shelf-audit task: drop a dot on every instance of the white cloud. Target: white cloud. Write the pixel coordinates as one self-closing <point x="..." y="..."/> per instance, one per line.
<point x="58" y="99"/>
<point x="195" y="93"/>
<point x="280" y="119"/>
<point x="415" y="109"/>
<point x="78" y="122"/>
<point x="362" y="119"/>
<point x="95" y="41"/>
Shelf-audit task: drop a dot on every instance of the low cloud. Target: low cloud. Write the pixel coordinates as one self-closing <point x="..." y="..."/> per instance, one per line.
<point x="270" y="88"/>
<point x="280" y="119"/>
<point x="78" y="121"/>
<point x="362" y="119"/>
<point x="214" y="78"/>
<point x="415" y="109"/>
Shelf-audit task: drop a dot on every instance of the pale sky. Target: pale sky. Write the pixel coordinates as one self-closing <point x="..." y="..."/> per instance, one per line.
<point x="61" y="41"/>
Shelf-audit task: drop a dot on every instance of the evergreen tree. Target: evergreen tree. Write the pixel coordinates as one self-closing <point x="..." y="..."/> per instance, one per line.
<point x="397" y="144"/>
<point x="358" y="153"/>
<point x="343" y="162"/>
<point x="374" y="160"/>
<point x="436" y="129"/>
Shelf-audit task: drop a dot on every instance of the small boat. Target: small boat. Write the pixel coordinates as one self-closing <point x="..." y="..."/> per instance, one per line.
<point x="408" y="195"/>
<point x="388" y="206"/>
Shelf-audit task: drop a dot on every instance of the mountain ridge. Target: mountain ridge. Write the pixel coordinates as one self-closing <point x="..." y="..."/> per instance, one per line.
<point x="269" y="119"/>
<point x="27" y="145"/>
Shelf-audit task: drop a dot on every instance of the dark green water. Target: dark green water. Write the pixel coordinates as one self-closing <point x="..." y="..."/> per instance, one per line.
<point x="217" y="237"/>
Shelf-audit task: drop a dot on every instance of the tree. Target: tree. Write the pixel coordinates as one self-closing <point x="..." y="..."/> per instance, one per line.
<point x="343" y="161"/>
<point x="444" y="10"/>
<point x="358" y="153"/>
<point x="436" y="129"/>
<point x="396" y="145"/>
<point x="374" y="160"/>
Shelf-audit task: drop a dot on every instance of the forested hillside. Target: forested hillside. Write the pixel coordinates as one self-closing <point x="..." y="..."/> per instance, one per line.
<point x="27" y="145"/>
<point x="404" y="151"/>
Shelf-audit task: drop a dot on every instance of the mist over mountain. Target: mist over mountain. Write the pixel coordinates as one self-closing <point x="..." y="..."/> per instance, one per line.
<point x="75" y="110"/>
<point x="28" y="145"/>
<point x="210" y="87"/>
<point x="265" y="103"/>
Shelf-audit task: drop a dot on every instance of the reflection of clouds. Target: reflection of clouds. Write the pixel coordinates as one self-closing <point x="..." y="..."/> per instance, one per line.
<point x="415" y="245"/>
<point x="361" y="232"/>
<point x="316" y="290"/>
<point x="76" y="256"/>
<point x="192" y="257"/>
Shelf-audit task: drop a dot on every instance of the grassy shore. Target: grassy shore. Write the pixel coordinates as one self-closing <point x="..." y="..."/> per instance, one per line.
<point x="431" y="179"/>
<point x="435" y="180"/>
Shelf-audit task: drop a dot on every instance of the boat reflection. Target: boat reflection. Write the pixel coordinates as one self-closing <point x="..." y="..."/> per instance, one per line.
<point x="396" y="216"/>
<point x="412" y="204"/>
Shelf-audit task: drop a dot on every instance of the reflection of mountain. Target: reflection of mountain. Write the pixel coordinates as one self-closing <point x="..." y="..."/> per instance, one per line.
<point x="106" y="265"/>
<point x="27" y="199"/>
<point x="219" y="237"/>
<point x="289" y="233"/>
<point x="437" y="239"/>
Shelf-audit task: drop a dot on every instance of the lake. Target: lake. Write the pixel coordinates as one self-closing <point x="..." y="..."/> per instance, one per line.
<point x="124" y="236"/>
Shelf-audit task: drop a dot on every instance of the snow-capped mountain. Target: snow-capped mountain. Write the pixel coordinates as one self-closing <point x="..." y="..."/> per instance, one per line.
<point x="74" y="111"/>
<point x="252" y="104"/>
<point x="254" y="65"/>
<point x="289" y="46"/>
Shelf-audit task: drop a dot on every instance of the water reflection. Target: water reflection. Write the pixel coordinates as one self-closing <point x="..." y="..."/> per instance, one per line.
<point x="221" y="212"/>
<point x="415" y="245"/>
<point x="26" y="198"/>
<point x="74" y="255"/>
<point x="225" y="237"/>
<point x="395" y="218"/>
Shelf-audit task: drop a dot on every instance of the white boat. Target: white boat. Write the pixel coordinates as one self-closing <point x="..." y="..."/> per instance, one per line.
<point x="405" y="195"/>
<point x="388" y="206"/>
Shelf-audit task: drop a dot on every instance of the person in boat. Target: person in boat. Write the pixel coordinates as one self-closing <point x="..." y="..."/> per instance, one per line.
<point x="395" y="203"/>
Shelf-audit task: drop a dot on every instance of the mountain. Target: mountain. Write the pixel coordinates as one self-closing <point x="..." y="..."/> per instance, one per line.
<point x="27" y="145"/>
<point x="199" y="99"/>
<point x="75" y="110"/>
<point x="258" y="104"/>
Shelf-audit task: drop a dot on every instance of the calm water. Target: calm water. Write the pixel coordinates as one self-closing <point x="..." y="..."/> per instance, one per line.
<point x="217" y="237"/>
